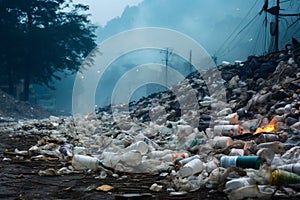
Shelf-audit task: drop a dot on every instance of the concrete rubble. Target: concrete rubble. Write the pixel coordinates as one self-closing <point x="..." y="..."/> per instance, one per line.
<point x="246" y="147"/>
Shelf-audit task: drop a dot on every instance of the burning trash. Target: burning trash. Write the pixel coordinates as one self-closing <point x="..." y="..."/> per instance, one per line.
<point x="272" y="127"/>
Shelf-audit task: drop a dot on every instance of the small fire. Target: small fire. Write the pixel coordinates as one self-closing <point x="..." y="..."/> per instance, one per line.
<point x="270" y="128"/>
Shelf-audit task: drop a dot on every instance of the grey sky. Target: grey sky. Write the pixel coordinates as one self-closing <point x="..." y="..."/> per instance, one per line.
<point x="104" y="10"/>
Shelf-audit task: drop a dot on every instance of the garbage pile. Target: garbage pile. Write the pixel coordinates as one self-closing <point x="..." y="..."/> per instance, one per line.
<point x="12" y="109"/>
<point x="248" y="147"/>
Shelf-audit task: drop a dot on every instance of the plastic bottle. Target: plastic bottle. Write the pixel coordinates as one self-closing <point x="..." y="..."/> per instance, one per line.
<point x="232" y="118"/>
<point x="227" y="130"/>
<point x="140" y="146"/>
<point x="222" y="141"/>
<point x="130" y="158"/>
<point x="238" y="183"/>
<point x="295" y="168"/>
<point x="186" y="160"/>
<point x="111" y="159"/>
<point x="80" y="150"/>
<point x="281" y="177"/>
<point x="192" y="167"/>
<point x="236" y="152"/>
<point x="263" y="138"/>
<point x="276" y="146"/>
<point x="152" y="145"/>
<point x="195" y="142"/>
<point x="159" y="154"/>
<point x="173" y="156"/>
<point x="82" y="162"/>
<point x="241" y="161"/>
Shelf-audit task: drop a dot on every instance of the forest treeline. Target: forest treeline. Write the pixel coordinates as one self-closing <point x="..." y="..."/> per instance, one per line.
<point x="40" y="38"/>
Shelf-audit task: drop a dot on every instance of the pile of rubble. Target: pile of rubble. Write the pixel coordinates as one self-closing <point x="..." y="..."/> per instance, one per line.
<point x="12" y="109"/>
<point x="246" y="146"/>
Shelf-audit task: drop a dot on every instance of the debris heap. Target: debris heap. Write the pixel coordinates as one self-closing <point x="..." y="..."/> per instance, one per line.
<point x="246" y="146"/>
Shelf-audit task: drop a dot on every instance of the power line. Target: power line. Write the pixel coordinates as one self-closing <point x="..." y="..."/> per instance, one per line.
<point x="228" y="39"/>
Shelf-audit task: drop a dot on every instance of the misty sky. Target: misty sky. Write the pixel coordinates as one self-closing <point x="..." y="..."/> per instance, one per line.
<point x="103" y="11"/>
<point x="220" y="26"/>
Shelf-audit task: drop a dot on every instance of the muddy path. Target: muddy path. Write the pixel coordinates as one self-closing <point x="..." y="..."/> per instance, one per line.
<point x="19" y="179"/>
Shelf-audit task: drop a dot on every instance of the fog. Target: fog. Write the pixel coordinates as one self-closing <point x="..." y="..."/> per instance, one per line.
<point x="228" y="30"/>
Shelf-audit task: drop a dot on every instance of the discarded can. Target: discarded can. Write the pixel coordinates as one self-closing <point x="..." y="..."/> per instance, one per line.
<point x="281" y="177"/>
<point x="295" y="168"/>
<point x="241" y="161"/>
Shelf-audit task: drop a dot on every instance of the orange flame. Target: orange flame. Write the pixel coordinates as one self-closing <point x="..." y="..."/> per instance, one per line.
<point x="270" y="128"/>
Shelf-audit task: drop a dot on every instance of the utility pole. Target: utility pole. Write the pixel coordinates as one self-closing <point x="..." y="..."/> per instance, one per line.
<point x="168" y="54"/>
<point x="277" y="25"/>
<point x="190" y="61"/>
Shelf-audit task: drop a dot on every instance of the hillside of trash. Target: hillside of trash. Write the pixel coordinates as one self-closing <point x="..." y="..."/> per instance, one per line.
<point x="12" y="109"/>
<point x="244" y="147"/>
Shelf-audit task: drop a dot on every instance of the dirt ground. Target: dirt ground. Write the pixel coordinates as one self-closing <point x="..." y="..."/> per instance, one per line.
<point x="19" y="179"/>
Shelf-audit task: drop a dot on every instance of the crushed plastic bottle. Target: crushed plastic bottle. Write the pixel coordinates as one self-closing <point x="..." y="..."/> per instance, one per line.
<point x="82" y="162"/>
<point x="237" y="183"/>
<point x="140" y="146"/>
<point x="192" y="167"/>
<point x="222" y="141"/>
<point x="173" y="156"/>
<point x="130" y="158"/>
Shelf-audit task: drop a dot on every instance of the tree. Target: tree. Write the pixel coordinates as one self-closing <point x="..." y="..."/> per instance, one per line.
<point x="50" y="36"/>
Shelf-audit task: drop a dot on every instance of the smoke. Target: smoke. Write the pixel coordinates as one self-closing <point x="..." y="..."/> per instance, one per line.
<point x="208" y="22"/>
<point x="219" y="26"/>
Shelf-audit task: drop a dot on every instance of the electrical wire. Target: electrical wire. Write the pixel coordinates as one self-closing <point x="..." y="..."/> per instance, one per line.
<point x="228" y="39"/>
